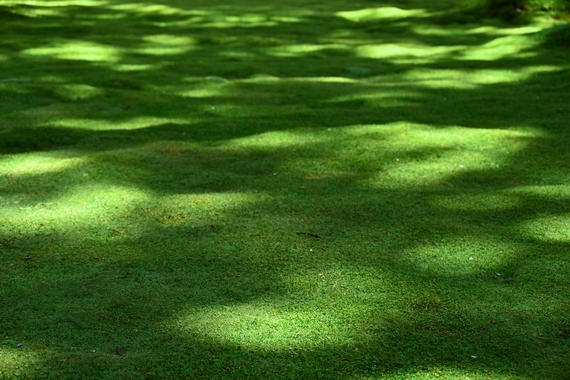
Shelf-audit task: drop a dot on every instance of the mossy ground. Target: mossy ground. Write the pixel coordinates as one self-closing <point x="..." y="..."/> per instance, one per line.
<point x="297" y="189"/>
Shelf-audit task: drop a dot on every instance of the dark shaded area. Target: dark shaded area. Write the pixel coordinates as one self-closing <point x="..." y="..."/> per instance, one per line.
<point x="106" y="293"/>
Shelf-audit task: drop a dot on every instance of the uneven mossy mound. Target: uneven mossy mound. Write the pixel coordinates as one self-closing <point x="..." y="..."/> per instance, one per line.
<point x="558" y="36"/>
<point x="518" y="11"/>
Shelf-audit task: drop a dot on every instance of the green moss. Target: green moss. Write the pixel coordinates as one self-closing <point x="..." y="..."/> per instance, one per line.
<point x="306" y="190"/>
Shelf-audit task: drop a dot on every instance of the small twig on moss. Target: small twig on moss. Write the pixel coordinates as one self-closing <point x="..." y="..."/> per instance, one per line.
<point x="309" y="234"/>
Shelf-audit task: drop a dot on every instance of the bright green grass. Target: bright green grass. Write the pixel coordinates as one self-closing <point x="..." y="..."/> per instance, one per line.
<point x="296" y="189"/>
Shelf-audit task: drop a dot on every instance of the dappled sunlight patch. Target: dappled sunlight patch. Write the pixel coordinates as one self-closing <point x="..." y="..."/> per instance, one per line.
<point x="147" y="9"/>
<point x="62" y="3"/>
<point x="212" y="18"/>
<point x="493" y="30"/>
<point x="447" y="78"/>
<point x="323" y="79"/>
<point x="443" y="372"/>
<point x="89" y="205"/>
<point x="164" y="50"/>
<point x="207" y="87"/>
<point x="36" y="164"/>
<point x="77" y="50"/>
<point x="169" y="40"/>
<point x="382" y="13"/>
<point x="274" y="139"/>
<point x="237" y="54"/>
<point x="47" y="8"/>
<point x="374" y="130"/>
<point x="384" y="51"/>
<point x="387" y="98"/>
<point x="548" y="228"/>
<point x="134" y="123"/>
<point x="261" y="78"/>
<point x="437" y="30"/>
<point x="133" y="67"/>
<point x="164" y="44"/>
<point x="263" y="327"/>
<point x="249" y="19"/>
<point x="415" y="155"/>
<point x="18" y="362"/>
<point x="241" y="21"/>
<point x="499" y="48"/>
<point x="546" y="192"/>
<point x="536" y="26"/>
<point x="471" y="250"/>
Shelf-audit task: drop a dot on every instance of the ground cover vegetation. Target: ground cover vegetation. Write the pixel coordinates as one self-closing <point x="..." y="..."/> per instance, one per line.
<point x="291" y="189"/>
<point x="517" y="10"/>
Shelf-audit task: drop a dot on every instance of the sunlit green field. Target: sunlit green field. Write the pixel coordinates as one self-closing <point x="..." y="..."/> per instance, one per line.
<point x="292" y="189"/>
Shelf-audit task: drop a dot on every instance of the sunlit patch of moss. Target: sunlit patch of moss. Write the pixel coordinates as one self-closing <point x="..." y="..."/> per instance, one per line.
<point x="492" y="30"/>
<point x="109" y="125"/>
<point x="324" y="79"/>
<point x="163" y="44"/>
<point x="62" y="3"/>
<point x="77" y="50"/>
<point x="166" y="39"/>
<point x="88" y="205"/>
<point x="203" y="87"/>
<point x="442" y="372"/>
<point x="126" y="67"/>
<point x="382" y="13"/>
<point x="471" y="251"/>
<point x="392" y="98"/>
<point x="436" y="30"/>
<point x="37" y="163"/>
<point x="18" y="363"/>
<point x="262" y="78"/>
<point x="420" y="156"/>
<point x="151" y="10"/>
<point x="552" y="192"/>
<point x="548" y="228"/>
<point x="274" y="139"/>
<point x="253" y="21"/>
<point x="472" y="79"/>
<point x="501" y="47"/>
<point x="384" y="51"/>
<point x="255" y="326"/>
<point x="164" y="50"/>
<point x="203" y="92"/>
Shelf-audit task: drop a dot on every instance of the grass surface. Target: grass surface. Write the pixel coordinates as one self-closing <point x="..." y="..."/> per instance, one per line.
<point x="297" y="189"/>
